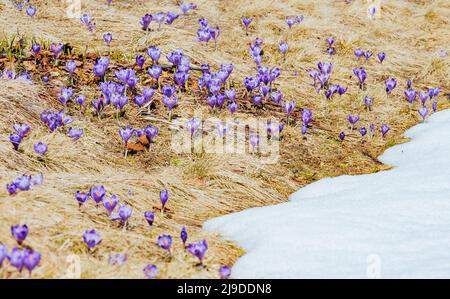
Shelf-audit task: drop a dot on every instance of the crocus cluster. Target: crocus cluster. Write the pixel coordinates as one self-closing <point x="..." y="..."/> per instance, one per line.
<point x="13" y="75"/>
<point x="87" y="21"/>
<point x="55" y="120"/>
<point x="24" y="183"/>
<point x="291" y="21"/>
<point x="186" y="7"/>
<point x="206" y="33"/>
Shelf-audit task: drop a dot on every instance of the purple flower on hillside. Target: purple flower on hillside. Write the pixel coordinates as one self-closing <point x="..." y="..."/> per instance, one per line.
<point x="151" y="271"/>
<point x="306" y="116"/>
<point x="231" y="94"/>
<point x="19" y="233"/>
<point x="367" y="54"/>
<point x="87" y="21"/>
<point x="151" y="132"/>
<point x="154" y="53"/>
<point x="184" y="235"/>
<point x="423" y="97"/>
<point x="145" y="21"/>
<point x="363" y="131"/>
<point x="381" y="56"/>
<point x="159" y="18"/>
<point x="165" y="241"/>
<point x="246" y="22"/>
<point x="40" y="148"/>
<point x="107" y="37"/>
<point x="91" y="238"/>
<point x="288" y="107"/>
<point x="390" y="85"/>
<point x="126" y="133"/>
<point x="56" y="49"/>
<point x="224" y="272"/>
<point x="164" y="197"/>
<point x="31" y="11"/>
<point x="123" y="213"/>
<point x="80" y="99"/>
<point x="117" y="259"/>
<point x="353" y="119"/>
<point x="36" y="48"/>
<point x="16" y="258"/>
<point x="276" y="96"/>
<point x="15" y="140"/>
<point x="254" y="140"/>
<point x="110" y="204"/>
<point x="75" y="133"/>
<point x="23" y="183"/>
<point x="11" y="188"/>
<point x="71" y="66"/>
<point x="31" y="259"/>
<point x="423" y="111"/>
<point x="171" y="17"/>
<point x="232" y="107"/>
<point x="98" y="105"/>
<point x="368" y="101"/>
<point x="150" y="217"/>
<point x="411" y="95"/>
<point x="198" y="249"/>
<point x="170" y="102"/>
<point x="140" y="60"/>
<point x="3" y="254"/>
<point x="409" y="83"/>
<point x="81" y="197"/>
<point x="66" y="94"/>
<point x="434" y="106"/>
<point x="359" y="52"/>
<point x="97" y="193"/>
<point x="283" y="47"/>
<point x="384" y="129"/>
<point x="185" y="7"/>
<point x="155" y="71"/>
<point x="372" y="10"/>
<point x="342" y="136"/>
<point x="330" y="41"/>
<point x="361" y="74"/>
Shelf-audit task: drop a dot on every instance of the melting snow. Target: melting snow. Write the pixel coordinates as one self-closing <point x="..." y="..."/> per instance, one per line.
<point x="392" y="224"/>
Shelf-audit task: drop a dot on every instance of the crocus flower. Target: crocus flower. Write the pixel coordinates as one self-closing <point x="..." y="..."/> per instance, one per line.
<point x="434" y="106"/>
<point x="81" y="197"/>
<point x="283" y="49"/>
<point x="15" y="140"/>
<point x="224" y="272"/>
<point x="170" y="102"/>
<point x="87" y="21"/>
<point x="36" y="48"/>
<point x="390" y="85"/>
<point x="19" y="232"/>
<point x="107" y="37"/>
<point x="232" y="107"/>
<point x="31" y="11"/>
<point x="246" y="22"/>
<point x="123" y="213"/>
<point x="254" y="140"/>
<point x="66" y="94"/>
<point x="306" y="116"/>
<point x="368" y="54"/>
<point x="145" y="21"/>
<point x="151" y="132"/>
<point x="150" y="217"/>
<point x="151" y="271"/>
<point x="3" y="254"/>
<point x="117" y="259"/>
<point x="384" y="129"/>
<point x="126" y="134"/>
<point x="423" y="111"/>
<point x="423" y="97"/>
<point x="23" y="183"/>
<point x="353" y="120"/>
<point x="154" y="53"/>
<point x="198" y="250"/>
<point x="71" y="66"/>
<point x="171" y="17"/>
<point x="276" y="96"/>
<point x="411" y="95"/>
<point x="75" y="133"/>
<point x="288" y="107"/>
<point x="11" y="188"/>
<point x="363" y="131"/>
<point x="31" y="260"/>
<point x="140" y="60"/>
<point x="159" y="18"/>
<point x="342" y="136"/>
<point x="164" y="197"/>
<point x="40" y="148"/>
<point x="155" y="72"/>
<point x="184" y="235"/>
<point x="368" y="101"/>
<point x="372" y="10"/>
<point x="16" y="258"/>
<point x="185" y="7"/>
<point x="361" y="74"/>
<point x="359" y="52"/>
<point x="110" y="204"/>
<point x="165" y="241"/>
<point x="381" y="56"/>
<point x="91" y="238"/>
<point x="97" y="193"/>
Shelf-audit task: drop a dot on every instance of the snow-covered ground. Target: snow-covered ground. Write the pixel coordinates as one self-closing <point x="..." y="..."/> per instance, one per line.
<point x="392" y="224"/>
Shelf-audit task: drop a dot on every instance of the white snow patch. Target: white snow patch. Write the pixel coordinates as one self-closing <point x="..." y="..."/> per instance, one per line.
<point x="391" y="224"/>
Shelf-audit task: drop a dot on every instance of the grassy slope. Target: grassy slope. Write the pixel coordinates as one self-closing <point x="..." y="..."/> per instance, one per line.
<point x="205" y="186"/>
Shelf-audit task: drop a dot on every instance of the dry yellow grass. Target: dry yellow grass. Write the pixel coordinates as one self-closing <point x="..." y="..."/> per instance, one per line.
<point x="204" y="186"/>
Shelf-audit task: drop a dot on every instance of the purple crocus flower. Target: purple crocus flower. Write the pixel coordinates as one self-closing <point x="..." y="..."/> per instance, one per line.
<point x="40" y="148"/>
<point x="22" y="129"/>
<point x="91" y="238"/>
<point x="36" y="48"/>
<point x="126" y="133"/>
<point x="306" y="116"/>
<point x="359" y="52"/>
<point x="19" y="232"/>
<point x="390" y="85"/>
<point x="232" y="107"/>
<point x="154" y="53"/>
<point x="353" y="119"/>
<point x="185" y="7"/>
<point x="276" y="96"/>
<point x="288" y="107"/>
<point x="97" y="193"/>
<point x="151" y="132"/>
<point x="16" y="258"/>
<point x="372" y="10"/>
<point x="423" y="111"/>
<point x="3" y="254"/>
<point x="31" y="260"/>
<point x="123" y="213"/>
<point x="159" y="18"/>
<point x="363" y="131"/>
<point x="140" y="100"/>
<point x="246" y="22"/>
<point x="31" y="11"/>
<point x="434" y="106"/>
<point x="184" y="235"/>
<point x="368" y="101"/>
<point x="151" y="271"/>
<point x="164" y="197"/>
<point x="224" y="272"/>
<point x="423" y="97"/>
<point x="23" y="183"/>
<point x="81" y="197"/>
<point x="56" y="49"/>
<point x="409" y="83"/>
<point x="198" y="250"/>
<point x="75" y="133"/>
<point x="384" y="129"/>
<point x="361" y="74"/>
<point x="80" y="99"/>
<point x="411" y="95"/>
<point x="145" y="21"/>
<point x="87" y="21"/>
<point x="254" y="140"/>
<point x="342" y="136"/>
<point x="66" y="94"/>
<point x="140" y="60"/>
<point x="150" y="217"/>
<point x="170" y="102"/>
<point x="107" y="37"/>
<point x="381" y="56"/>
<point x="165" y="241"/>
<point x="71" y="66"/>
<point x="117" y="259"/>
<point x="283" y="47"/>
<point x="368" y="54"/>
<point x="15" y="140"/>
<point x="171" y="17"/>
<point x="110" y="204"/>
<point x="11" y="188"/>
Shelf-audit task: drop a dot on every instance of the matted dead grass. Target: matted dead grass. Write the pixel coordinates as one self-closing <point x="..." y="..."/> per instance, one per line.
<point x="204" y="186"/>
